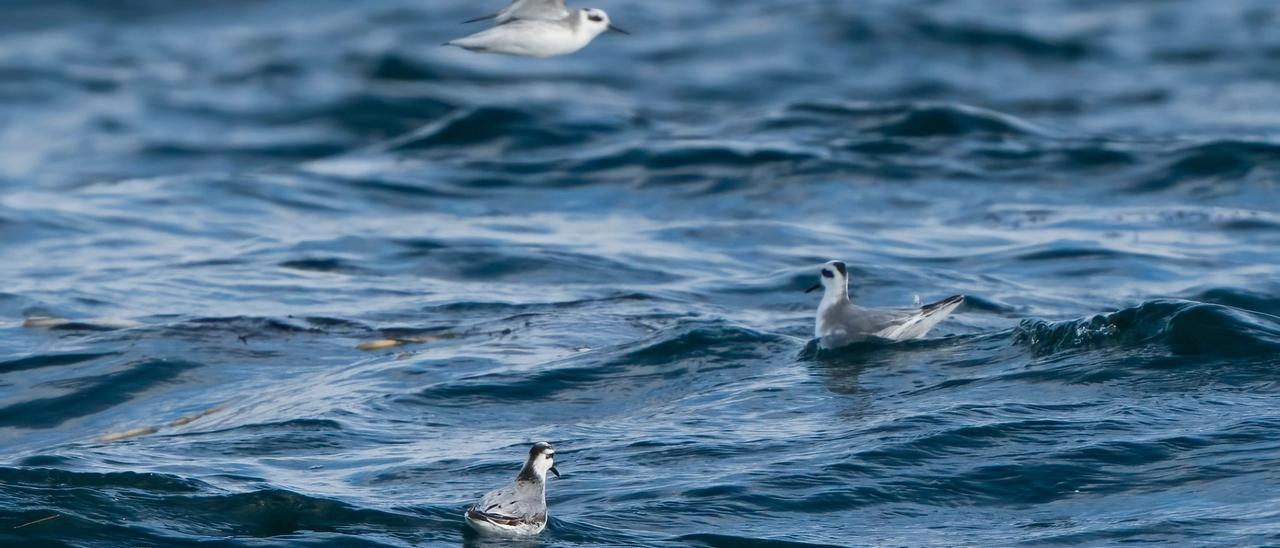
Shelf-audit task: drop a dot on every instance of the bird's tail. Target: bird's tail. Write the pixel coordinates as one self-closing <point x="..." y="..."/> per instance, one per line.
<point x="934" y="308"/>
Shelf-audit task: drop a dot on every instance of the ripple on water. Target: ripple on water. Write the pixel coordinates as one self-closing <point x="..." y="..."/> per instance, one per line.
<point x="86" y="396"/>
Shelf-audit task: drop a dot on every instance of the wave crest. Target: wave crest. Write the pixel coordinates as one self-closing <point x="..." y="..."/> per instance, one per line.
<point x="1184" y="327"/>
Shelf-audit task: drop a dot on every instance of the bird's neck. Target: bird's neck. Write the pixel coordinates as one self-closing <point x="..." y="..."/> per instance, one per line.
<point x="834" y="296"/>
<point x="530" y="473"/>
<point x="585" y="34"/>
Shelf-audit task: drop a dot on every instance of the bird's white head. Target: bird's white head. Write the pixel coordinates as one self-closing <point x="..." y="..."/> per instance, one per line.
<point x="542" y="459"/>
<point x="596" y="22"/>
<point x="834" y="279"/>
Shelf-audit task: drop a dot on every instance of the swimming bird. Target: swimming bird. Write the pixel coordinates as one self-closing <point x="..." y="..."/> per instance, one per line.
<point x="520" y="507"/>
<point x="840" y="322"/>
<point x="538" y="28"/>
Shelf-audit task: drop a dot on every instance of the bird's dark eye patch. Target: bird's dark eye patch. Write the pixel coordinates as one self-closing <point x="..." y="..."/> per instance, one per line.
<point x="827" y="274"/>
<point x="595" y="18"/>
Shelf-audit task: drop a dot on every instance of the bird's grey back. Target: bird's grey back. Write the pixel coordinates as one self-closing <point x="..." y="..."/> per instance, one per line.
<point x="855" y="319"/>
<point x="521" y="499"/>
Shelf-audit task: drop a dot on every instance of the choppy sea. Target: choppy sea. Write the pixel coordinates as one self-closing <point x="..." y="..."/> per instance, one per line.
<point x="211" y="210"/>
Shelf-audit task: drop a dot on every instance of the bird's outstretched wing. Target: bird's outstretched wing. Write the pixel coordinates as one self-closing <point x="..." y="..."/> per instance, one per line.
<point x="548" y="10"/>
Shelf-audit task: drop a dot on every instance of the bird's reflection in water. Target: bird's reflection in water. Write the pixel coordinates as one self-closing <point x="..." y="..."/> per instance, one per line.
<point x="843" y="368"/>
<point x="472" y="539"/>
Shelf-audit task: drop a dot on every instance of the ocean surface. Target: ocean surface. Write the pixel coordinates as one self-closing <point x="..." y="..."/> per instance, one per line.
<point x="212" y="211"/>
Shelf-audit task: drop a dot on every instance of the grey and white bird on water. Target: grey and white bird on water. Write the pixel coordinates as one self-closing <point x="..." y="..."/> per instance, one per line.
<point x="840" y="322"/>
<point x="520" y="507"/>
<point x="538" y="28"/>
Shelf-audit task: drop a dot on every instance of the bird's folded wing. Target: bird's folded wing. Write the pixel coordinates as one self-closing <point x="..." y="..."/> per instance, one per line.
<point x="509" y="503"/>
<point x="918" y="323"/>
<point x="533" y="9"/>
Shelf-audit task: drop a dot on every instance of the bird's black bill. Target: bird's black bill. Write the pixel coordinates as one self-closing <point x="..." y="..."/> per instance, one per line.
<point x="554" y="471"/>
<point x="616" y="29"/>
<point x="814" y="288"/>
<point x="479" y="19"/>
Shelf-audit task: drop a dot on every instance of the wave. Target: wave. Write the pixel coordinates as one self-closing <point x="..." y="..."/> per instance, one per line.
<point x="952" y="121"/>
<point x="605" y="375"/>
<point x="909" y="119"/>
<point x="1097" y="155"/>
<point x="288" y="437"/>
<point x="1224" y="160"/>
<point x="395" y="67"/>
<point x="482" y="261"/>
<point x="32" y="475"/>
<point x="276" y="512"/>
<point x="327" y="265"/>
<point x="1020" y="41"/>
<point x="38" y="361"/>
<point x="273" y="147"/>
<point x="100" y="502"/>
<point x="94" y="394"/>
<point x="1182" y="327"/>
<point x="716" y="540"/>
<point x="511" y="128"/>
<point x="252" y="324"/>
<point x="291" y="425"/>
<point x="1240" y="298"/>
<point x="367" y="113"/>
<point x="689" y="154"/>
<point x="960" y="463"/>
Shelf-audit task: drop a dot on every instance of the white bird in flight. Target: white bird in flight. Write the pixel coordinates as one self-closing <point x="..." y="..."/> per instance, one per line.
<point x="520" y="507"/>
<point x="538" y="28"/>
<point x="840" y="322"/>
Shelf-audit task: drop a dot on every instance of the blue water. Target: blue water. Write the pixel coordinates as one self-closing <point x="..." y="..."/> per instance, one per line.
<point x="207" y="207"/>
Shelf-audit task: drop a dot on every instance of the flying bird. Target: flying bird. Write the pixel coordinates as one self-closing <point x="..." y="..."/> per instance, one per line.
<point x="538" y="28"/>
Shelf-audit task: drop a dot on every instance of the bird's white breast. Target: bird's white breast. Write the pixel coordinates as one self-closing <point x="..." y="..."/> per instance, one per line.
<point x="528" y="38"/>
<point x="838" y="324"/>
